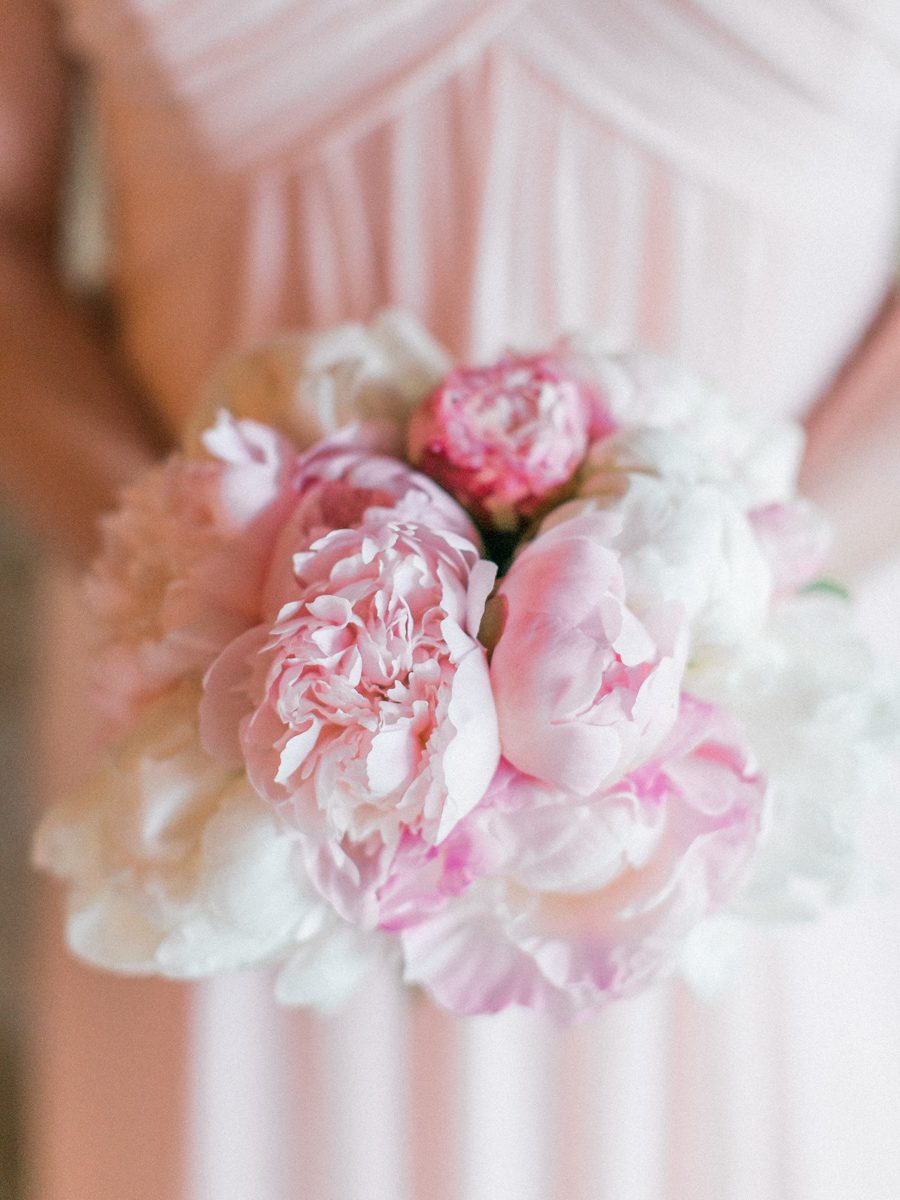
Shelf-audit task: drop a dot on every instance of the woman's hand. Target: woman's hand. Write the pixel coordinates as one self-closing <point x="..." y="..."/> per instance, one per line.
<point x="72" y="430"/>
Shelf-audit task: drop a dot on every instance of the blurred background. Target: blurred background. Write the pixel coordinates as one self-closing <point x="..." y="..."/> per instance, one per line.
<point x="83" y="258"/>
<point x="18" y="598"/>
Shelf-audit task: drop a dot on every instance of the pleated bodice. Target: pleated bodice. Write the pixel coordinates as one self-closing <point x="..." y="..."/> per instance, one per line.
<point x="709" y="177"/>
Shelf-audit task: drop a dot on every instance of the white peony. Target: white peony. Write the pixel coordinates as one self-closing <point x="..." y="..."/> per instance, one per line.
<point x="176" y="867"/>
<point x="683" y="536"/>
<point x="823" y="723"/>
<point x="757" y="458"/>
<point x="309" y="385"/>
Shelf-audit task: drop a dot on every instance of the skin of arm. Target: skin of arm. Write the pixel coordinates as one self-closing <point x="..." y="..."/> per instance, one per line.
<point x="72" y="427"/>
<point x="852" y="463"/>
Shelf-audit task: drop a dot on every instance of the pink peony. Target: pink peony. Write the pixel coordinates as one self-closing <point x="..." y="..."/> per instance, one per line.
<point x="591" y="899"/>
<point x="504" y="439"/>
<point x="365" y="715"/>
<point x="183" y="562"/>
<point x="341" y="485"/>
<point x="585" y="691"/>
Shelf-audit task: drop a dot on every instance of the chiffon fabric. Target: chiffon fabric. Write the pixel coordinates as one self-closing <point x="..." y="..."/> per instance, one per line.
<point x="712" y="178"/>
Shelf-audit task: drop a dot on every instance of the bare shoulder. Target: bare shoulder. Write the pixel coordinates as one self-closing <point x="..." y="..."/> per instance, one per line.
<point x="34" y="89"/>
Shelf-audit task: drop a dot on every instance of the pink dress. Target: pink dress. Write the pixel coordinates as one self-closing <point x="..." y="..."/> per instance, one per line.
<point x="710" y="177"/>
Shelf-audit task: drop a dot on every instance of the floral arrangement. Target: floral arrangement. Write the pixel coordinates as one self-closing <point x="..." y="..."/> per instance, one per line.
<point x="519" y="676"/>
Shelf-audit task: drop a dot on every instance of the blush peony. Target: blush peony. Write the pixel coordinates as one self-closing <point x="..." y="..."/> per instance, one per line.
<point x="585" y="691"/>
<point x="184" y="560"/>
<point x="341" y="486"/>
<point x="794" y="538"/>
<point x="590" y="899"/>
<point x="365" y="714"/>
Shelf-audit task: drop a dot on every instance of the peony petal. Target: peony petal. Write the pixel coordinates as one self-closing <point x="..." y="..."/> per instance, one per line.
<point x="471" y="758"/>
<point x="324" y="973"/>
<point x="392" y="759"/>
<point x="225" y="700"/>
<point x="296" y="750"/>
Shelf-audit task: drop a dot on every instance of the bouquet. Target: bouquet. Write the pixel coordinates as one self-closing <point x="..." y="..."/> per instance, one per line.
<point x="520" y="677"/>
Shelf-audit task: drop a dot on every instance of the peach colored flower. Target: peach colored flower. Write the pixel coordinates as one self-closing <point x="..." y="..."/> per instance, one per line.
<point x="310" y="385"/>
